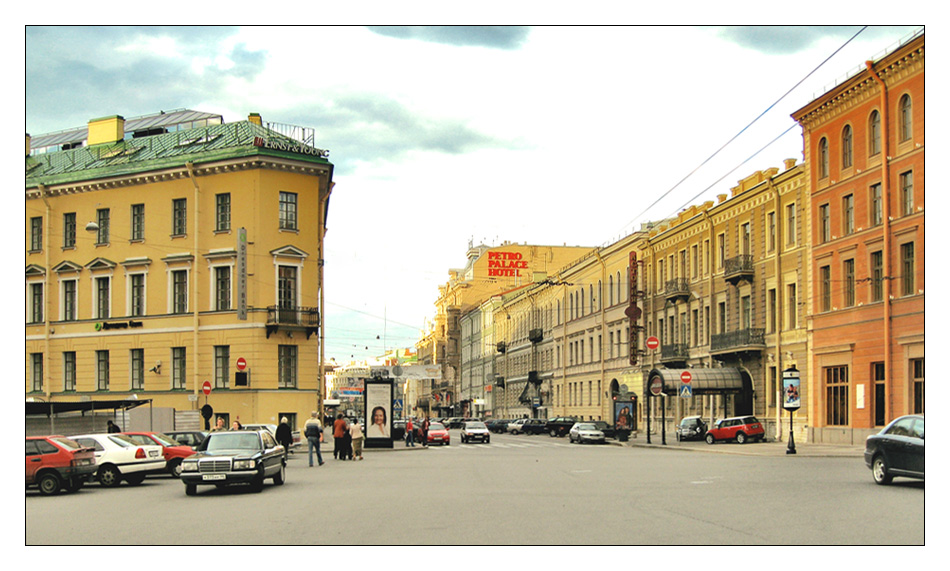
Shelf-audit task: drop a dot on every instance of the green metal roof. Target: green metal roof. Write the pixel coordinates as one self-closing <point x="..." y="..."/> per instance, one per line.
<point x="216" y="142"/>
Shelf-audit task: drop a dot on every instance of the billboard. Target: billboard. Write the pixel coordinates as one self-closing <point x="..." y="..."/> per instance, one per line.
<point x="378" y="395"/>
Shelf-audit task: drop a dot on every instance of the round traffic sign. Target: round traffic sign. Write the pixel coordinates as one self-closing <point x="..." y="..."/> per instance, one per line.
<point x="656" y="386"/>
<point x="241" y="364"/>
<point x="686" y="377"/>
<point x="206" y="388"/>
<point x="652" y="342"/>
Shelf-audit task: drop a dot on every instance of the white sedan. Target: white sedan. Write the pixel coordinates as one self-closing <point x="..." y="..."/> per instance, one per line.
<point x="586" y="432"/>
<point x="119" y="458"/>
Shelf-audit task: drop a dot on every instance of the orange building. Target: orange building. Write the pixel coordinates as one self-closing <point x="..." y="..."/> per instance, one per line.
<point x="864" y="155"/>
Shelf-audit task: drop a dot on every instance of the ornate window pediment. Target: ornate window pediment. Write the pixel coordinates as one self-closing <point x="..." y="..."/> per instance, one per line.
<point x="100" y="264"/>
<point x="33" y="271"/>
<point x="66" y="266"/>
<point x="289" y="252"/>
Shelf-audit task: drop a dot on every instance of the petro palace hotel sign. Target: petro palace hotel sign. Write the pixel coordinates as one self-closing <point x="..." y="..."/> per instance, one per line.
<point x="290" y="147"/>
<point x="506" y="264"/>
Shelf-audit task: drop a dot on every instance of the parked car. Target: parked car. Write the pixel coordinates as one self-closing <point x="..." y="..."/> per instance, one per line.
<point x="897" y="450"/>
<point x="235" y="457"/>
<point x="691" y="428"/>
<point x="605" y="427"/>
<point x="399" y="429"/>
<point x="559" y="426"/>
<point x="517" y="426"/>
<point x="272" y="428"/>
<point x="535" y="426"/>
<point x="438" y="434"/>
<point x="738" y="428"/>
<point x="187" y="437"/>
<point x="475" y="430"/>
<point x="172" y="451"/>
<point x="119" y="458"/>
<point x="583" y="432"/>
<point x="56" y="462"/>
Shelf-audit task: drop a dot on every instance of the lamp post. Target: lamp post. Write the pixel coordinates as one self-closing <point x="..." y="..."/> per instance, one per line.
<point x="791" y="391"/>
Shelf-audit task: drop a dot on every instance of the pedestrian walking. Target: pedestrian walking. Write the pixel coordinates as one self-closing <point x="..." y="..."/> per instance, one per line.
<point x="339" y="426"/>
<point x="112" y="427"/>
<point x="356" y="434"/>
<point x="219" y="425"/>
<point x="314" y="433"/>
<point x="285" y="437"/>
<point x="410" y="437"/>
<point x="425" y="431"/>
<point x="346" y="449"/>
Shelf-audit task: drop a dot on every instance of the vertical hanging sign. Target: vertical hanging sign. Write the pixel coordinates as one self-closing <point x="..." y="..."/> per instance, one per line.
<point x="242" y="274"/>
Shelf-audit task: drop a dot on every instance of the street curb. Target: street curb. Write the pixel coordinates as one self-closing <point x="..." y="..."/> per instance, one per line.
<point x="758" y="449"/>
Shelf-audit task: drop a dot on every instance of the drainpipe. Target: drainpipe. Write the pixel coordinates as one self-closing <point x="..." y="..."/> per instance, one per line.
<point x="47" y="379"/>
<point x="886" y="196"/>
<point x="603" y="329"/>
<point x="712" y="303"/>
<point x="779" y="308"/>
<point x="194" y="308"/>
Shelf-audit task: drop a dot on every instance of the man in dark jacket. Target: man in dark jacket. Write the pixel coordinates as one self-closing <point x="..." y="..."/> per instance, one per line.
<point x="284" y="436"/>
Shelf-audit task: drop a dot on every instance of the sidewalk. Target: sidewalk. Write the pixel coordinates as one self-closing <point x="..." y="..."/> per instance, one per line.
<point x="805" y="449"/>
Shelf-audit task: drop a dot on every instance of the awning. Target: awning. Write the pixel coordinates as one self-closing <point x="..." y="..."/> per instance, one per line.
<point x="704" y="381"/>
<point x="50" y="408"/>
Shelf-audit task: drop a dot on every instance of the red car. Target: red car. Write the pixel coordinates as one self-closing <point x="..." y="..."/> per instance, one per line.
<point x="56" y="462"/>
<point x="738" y="428"/>
<point x="173" y="451"/>
<point x="438" y="434"/>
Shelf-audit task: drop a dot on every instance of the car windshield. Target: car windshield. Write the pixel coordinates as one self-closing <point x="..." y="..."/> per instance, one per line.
<point x="586" y="426"/>
<point x="165" y="439"/>
<point x="234" y="441"/>
<point x="436" y="426"/>
<point x="67" y="443"/>
<point x="474" y="425"/>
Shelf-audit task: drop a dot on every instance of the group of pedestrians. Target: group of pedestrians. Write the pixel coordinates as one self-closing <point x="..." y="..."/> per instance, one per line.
<point x="347" y="439"/>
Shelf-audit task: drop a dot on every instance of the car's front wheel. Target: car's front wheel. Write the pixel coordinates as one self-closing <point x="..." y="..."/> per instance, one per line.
<point x="879" y="470"/>
<point x="49" y="484"/>
<point x="174" y="468"/>
<point x="710" y="439"/>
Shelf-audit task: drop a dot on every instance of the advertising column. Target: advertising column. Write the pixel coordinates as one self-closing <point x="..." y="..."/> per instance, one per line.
<point x="379" y="408"/>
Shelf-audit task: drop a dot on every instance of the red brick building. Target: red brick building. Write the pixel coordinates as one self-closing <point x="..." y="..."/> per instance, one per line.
<point x="864" y="156"/>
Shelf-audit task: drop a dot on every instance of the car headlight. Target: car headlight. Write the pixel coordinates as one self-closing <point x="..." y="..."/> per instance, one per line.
<point x="189" y="466"/>
<point x="244" y="464"/>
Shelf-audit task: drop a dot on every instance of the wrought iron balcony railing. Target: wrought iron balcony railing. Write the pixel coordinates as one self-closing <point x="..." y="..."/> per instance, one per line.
<point x="739" y="268"/>
<point x="741" y="340"/>
<point x="677" y="288"/>
<point x="674" y="352"/>
<point x="293" y="318"/>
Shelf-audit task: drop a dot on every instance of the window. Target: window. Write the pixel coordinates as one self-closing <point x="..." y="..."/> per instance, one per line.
<point x="849" y="283"/>
<point x="287" y="366"/>
<point x="36" y="233"/>
<point x="179" y="367"/>
<point x="917" y="375"/>
<point x="847" y="212"/>
<point x="69" y="300"/>
<point x="36" y="303"/>
<point x="222" y="359"/>
<point x="877" y="205"/>
<point x="695" y="250"/>
<point x="222" y="212"/>
<point x="824" y="222"/>
<point x="792" y="304"/>
<point x="180" y="291"/>
<point x="907" y="193"/>
<point x="906" y="119"/>
<point x="791" y="231"/>
<point x="770" y="231"/>
<point x="823" y="158"/>
<point x="610" y="290"/>
<point x="102" y="370"/>
<point x="103" y="297"/>
<point x="847" y="158"/>
<point x="877" y="276"/>
<point x="874" y="133"/>
<point x="287" y="293"/>
<point x="179" y="216"/>
<point x="222" y="288"/>
<point x="694" y="325"/>
<point x="102" y="220"/>
<point x="69" y="370"/>
<point x="746" y="312"/>
<point x="722" y="317"/>
<point x="288" y="211"/>
<point x="880" y="395"/>
<point x="836" y="395"/>
<point x="746" y="236"/>
<point x="69" y="230"/>
<point x="907" y="269"/>
<point x="825" y="277"/>
<point x="137" y="368"/>
<point x="772" y="308"/>
<point x="721" y="243"/>
<point x="36" y="361"/>
<point x="138" y="222"/>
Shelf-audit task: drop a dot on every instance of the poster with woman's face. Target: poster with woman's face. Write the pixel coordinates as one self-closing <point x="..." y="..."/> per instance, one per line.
<point x="378" y="396"/>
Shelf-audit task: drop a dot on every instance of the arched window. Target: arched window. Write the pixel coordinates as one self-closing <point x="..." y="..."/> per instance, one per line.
<point x="906" y="116"/>
<point x="874" y="133"/>
<point x="846" y="154"/>
<point x="823" y="158"/>
<point x="619" y="288"/>
<point x="610" y="288"/>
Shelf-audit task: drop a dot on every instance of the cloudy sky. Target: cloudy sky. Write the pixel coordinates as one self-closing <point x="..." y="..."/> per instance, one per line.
<point x="442" y="136"/>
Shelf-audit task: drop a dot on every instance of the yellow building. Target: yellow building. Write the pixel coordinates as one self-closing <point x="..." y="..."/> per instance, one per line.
<point x="174" y="252"/>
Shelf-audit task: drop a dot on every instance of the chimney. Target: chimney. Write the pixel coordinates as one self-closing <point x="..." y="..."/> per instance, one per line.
<point x="255" y="118"/>
<point x="106" y="130"/>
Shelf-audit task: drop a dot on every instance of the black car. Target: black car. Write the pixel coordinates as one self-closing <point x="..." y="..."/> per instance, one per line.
<point x="535" y="426"/>
<point x="235" y="457"/>
<point x="609" y="431"/>
<point x="559" y="426"/>
<point x="897" y="450"/>
<point x="691" y="428"/>
<point x="497" y="425"/>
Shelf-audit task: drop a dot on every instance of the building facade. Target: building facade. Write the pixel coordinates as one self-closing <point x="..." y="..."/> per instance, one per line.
<point x="164" y="257"/>
<point x="864" y="150"/>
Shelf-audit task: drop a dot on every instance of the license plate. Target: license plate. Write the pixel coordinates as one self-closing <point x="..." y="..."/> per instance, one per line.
<point x="213" y="477"/>
<point x="153" y="453"/>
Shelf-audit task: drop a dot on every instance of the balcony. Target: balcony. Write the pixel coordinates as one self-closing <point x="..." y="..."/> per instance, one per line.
<point x="737" y="341"/>
<point x="739" y="269"/>
<point x="291" y="319"/>
<point x="677" y="289"/>
<point x="674" y="352"/>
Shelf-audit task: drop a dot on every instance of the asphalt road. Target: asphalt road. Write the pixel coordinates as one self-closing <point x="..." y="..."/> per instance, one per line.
<point x="518" y="490"/>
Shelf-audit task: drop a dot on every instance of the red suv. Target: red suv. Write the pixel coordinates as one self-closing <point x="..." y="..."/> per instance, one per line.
<point x="56" y="462"/>
<point x="738" y="428"/>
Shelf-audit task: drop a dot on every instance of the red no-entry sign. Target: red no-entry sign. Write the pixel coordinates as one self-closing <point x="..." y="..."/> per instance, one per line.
<point x="206" y="388"/>
<point x="686" y="377"/>
<point x="241" y="364"/>
<point x="652" y="343"/>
